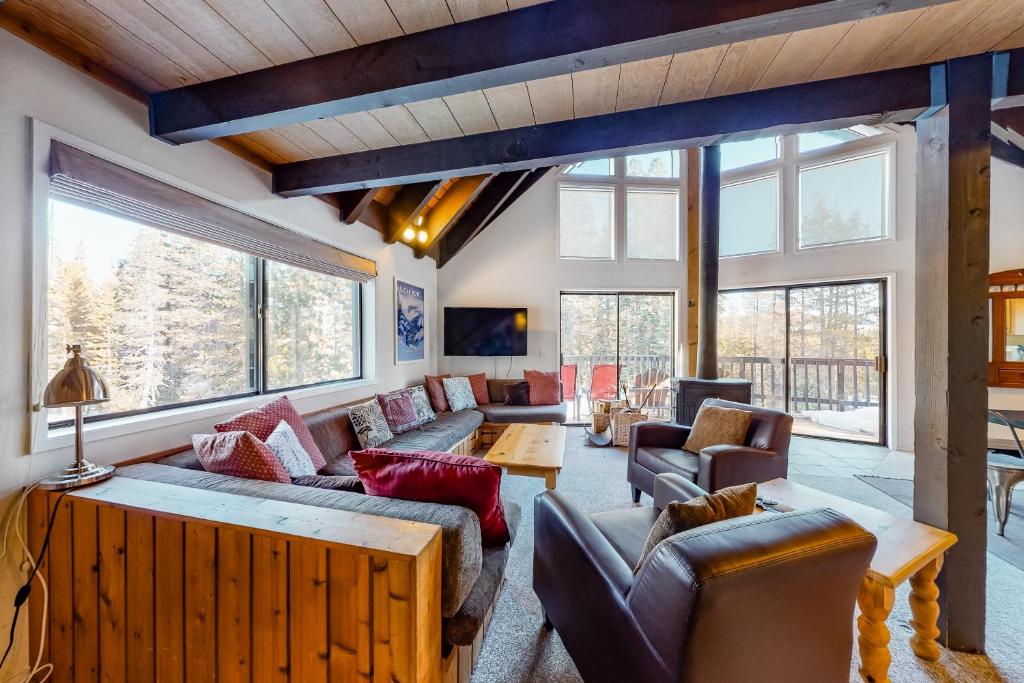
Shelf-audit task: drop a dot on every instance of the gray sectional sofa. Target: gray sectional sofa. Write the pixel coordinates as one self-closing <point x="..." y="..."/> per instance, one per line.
<point x="471" y="575"/>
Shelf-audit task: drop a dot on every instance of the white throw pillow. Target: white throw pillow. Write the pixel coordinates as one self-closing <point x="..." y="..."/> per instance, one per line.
<point x="459" y="393"/>
<point x="370" y="425"/>
<point x="285" y="445"/>
<point x="421" y="403"/>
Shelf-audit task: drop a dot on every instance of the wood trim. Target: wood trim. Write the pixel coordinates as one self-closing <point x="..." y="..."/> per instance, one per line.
<point x="693" y="179"/>
<point x="249" y="569"/>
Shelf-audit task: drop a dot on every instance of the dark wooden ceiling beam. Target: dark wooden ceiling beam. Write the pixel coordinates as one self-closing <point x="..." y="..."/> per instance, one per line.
<point x="548" y="39"/>
<point x="409" y="203"/>
<point x="1008" y="152"/>
<point x="889" y="96"/>
<point x="352" y="204"/>
<point x="892" y="96"/>
<point x="473" y="219"/>
<point x="528" y="182"/>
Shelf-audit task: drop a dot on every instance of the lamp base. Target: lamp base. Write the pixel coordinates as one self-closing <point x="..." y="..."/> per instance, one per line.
<point x="75" y="475"/>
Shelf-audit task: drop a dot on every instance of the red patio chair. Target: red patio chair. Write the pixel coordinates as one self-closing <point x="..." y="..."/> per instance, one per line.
<point x="568" y="374"/>
<point x="603" y="385"/>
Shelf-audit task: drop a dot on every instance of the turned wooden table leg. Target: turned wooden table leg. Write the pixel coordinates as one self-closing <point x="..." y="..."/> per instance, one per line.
<point x="924" y="604"/>
<point x="875" y="601"/>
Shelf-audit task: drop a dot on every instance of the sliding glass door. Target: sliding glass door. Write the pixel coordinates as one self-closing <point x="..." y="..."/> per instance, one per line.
<point x="817" y="351"/>
<point x="617" y="345"/>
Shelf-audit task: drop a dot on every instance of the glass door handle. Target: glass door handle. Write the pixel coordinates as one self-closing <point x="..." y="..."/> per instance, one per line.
<point x="881" y="364"/>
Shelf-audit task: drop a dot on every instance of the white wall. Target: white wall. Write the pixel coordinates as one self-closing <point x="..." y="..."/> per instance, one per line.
<point x="514" y="262"/>
<point x="36" y="86"/>
<point x="1007" y="253"/>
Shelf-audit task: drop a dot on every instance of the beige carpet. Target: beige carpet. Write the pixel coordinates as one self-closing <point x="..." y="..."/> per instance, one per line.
<point x="518" y="649"/>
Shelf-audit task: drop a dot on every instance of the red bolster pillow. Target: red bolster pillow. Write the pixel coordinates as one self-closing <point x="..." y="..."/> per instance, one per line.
<point x="435" y="477"/>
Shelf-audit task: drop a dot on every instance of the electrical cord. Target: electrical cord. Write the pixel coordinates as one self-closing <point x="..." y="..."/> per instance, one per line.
<point x="23" y="593"/>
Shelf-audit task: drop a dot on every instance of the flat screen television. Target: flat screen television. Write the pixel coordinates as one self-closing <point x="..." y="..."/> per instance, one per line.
<point x="484" y="331"/>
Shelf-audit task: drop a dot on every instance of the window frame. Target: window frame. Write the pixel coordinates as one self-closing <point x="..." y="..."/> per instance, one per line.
<point x="620" y="183"/>
<point x="879" y="145"/>
<point x="789" y="164"/>
<point x="772" y="170"/>
<point x="588" y="184"/>
<point x="257" y="357"/>
<point x="174" y="419"/>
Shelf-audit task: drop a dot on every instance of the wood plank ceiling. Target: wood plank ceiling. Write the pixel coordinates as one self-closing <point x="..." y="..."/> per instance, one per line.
<point x="152" y="45"/>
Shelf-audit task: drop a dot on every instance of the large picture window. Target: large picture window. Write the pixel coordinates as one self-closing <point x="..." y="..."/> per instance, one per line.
<point x="169" y="320"/>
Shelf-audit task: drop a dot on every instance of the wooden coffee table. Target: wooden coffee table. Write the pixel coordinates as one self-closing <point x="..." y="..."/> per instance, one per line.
<point x="530" y="450"/>
<point x="906" y="550"/>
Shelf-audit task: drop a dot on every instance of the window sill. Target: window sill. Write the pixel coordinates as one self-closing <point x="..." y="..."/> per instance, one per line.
<point x="64" y="437"/>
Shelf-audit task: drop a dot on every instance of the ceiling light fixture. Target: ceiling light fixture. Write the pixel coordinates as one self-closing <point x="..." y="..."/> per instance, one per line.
<point x="422" y="236"/>
<point x="409" y="234"/>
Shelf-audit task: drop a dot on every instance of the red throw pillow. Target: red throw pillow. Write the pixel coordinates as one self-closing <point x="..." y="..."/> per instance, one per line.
<point x="399" y="410"/>
<point x="479" y="384"/>
<point x="545" y="388"/>
<point x="435" y="389"/>
<point x="262" y="421"/>
<point x="239" y="454"/>
<point x="435" y="477"/>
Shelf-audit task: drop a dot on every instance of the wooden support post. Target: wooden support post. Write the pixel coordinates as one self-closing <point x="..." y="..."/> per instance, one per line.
<point x="692" y="256"/>
<point x="707" y="304"/>
<point x="951" y="331"/>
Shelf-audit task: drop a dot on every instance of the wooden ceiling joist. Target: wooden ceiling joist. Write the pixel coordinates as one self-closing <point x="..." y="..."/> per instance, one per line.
<point x="407" y="205"/>
<point x="452" y="204"/>
<point x="528" y="182"/>
<point x="893" y="96"/>
<point x="1008" y="152"/>
<point x="353" y="204"/>
<point x="501" y="49"/>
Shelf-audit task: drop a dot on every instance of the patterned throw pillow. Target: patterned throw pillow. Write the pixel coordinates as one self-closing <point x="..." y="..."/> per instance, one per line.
<point x="545" y="388"/>
<point x="420" y="401"/>
<point x="260" y="422"/>
<point x="732" y="501"/>
<point x="368" y="421"/>
<point x="716" y="425"/>
<point x="285" y="445"/>
<point x="459" y="393"/>
<point x="399" y="410"/>
<point x="435" y="389"/>
<point x="479" y="384"/>
<point x="239" y="454"/>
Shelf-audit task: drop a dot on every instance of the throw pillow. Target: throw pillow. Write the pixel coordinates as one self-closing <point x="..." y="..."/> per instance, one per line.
<point x="420" y="401"/>
<point x="435" y="388"/>
<point x="545" y="388"/>
<point x="333" y="482"/>
<point x="459" y="393"/>
<point x="285" y="445"/>
<point x="368" y="421"/>
<point x="732" y="501"/>
<point x="715" y="425"/>
<point x="479" y="384"/>
<point x="517" y="394"/>
<point x="399" y="411"/>
<point x="436" y="477"/>
<point x="239" y="454"/>
<point x="260" y="422"/>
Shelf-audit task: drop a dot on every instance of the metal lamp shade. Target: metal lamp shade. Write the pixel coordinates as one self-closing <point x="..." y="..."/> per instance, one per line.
<point x="75" y="386"/>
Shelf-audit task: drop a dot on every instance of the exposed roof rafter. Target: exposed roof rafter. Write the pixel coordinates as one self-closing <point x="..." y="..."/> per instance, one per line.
<point x="491" y="51"/>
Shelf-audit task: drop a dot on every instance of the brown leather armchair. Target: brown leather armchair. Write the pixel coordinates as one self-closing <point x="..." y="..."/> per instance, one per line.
<point x="657" y="447"/>
<point x="768" y="595"/>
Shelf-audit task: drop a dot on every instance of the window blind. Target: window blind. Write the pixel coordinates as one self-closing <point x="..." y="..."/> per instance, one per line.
<point x="83" y="178"/>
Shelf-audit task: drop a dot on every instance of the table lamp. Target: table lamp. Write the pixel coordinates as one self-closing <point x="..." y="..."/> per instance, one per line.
<point x="77" y="385"/>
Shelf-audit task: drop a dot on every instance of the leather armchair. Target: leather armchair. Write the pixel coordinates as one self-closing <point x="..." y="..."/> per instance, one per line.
<point x="657" y="447"/>
<point x="764" y="595"/>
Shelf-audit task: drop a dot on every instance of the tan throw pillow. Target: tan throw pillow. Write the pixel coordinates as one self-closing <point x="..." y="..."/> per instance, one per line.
<point x="715" y="425"/>
<point x="732" y="501"/>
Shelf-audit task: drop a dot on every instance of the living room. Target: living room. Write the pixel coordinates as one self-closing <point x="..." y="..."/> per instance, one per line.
<point x="344" y="252"/>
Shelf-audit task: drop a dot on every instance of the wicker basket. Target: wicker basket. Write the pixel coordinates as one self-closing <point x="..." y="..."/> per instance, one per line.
<point x="621" y="423"/>
<point x="603" y="411"/>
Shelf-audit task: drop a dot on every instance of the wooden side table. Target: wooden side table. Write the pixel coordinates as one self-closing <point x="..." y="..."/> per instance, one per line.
<point x="907" y="550"/>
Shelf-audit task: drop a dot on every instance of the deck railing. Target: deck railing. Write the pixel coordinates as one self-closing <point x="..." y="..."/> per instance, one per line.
<point x="839" y="384"/>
